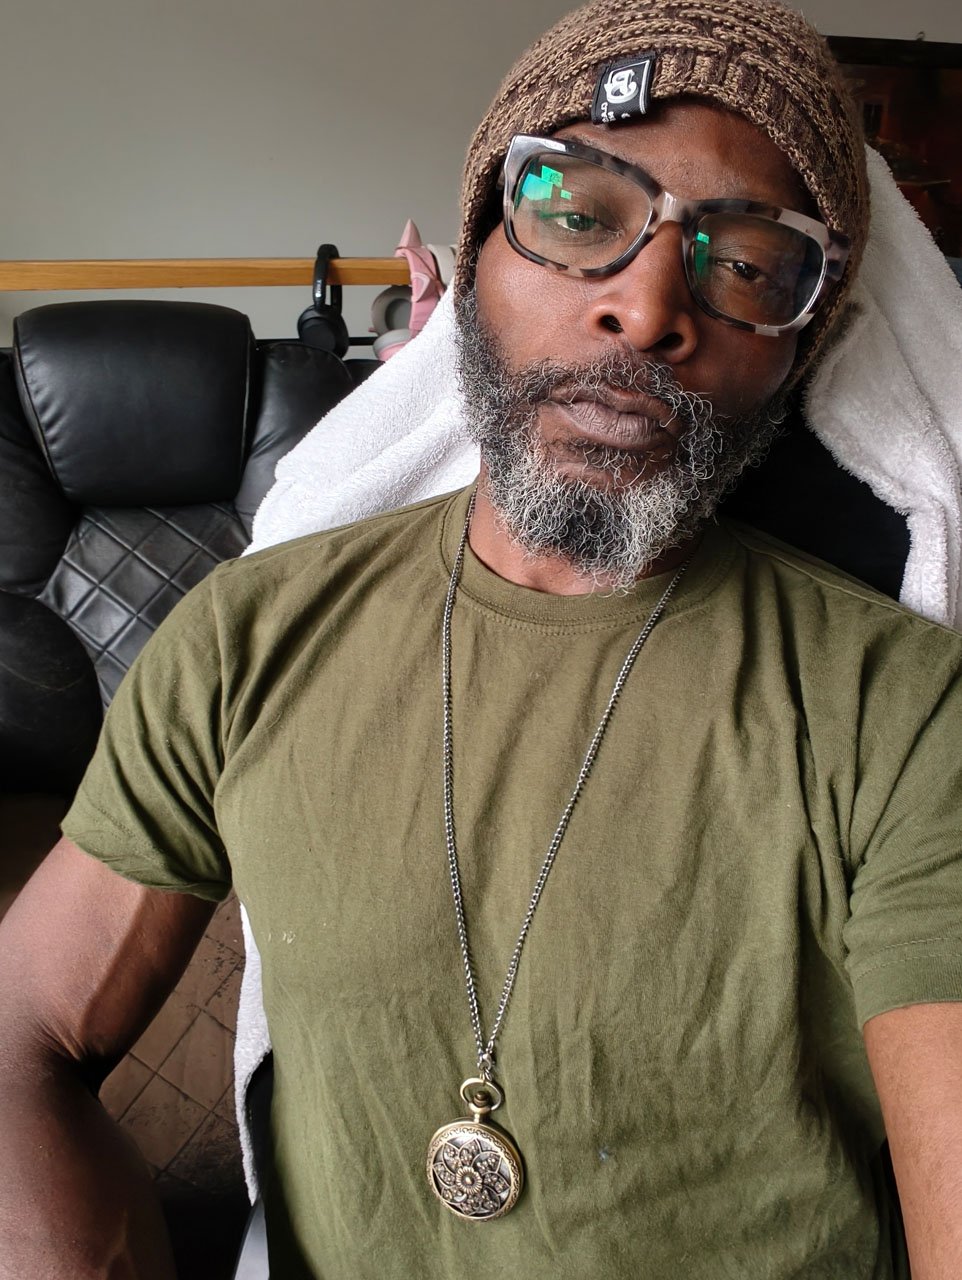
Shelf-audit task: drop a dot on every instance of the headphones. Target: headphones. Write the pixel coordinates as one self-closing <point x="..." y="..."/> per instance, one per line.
<point x="390" y="320"/>
<point x="322" y="325"/>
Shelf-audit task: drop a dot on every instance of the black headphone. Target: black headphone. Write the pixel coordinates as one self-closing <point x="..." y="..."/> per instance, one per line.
<point x="322" y="325"/>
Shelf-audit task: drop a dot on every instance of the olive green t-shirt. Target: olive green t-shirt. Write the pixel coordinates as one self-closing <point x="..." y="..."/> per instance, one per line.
<point x="765" y="855"/>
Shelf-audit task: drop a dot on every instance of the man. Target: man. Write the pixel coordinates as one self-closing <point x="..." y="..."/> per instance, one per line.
<point x="749" y="764"/>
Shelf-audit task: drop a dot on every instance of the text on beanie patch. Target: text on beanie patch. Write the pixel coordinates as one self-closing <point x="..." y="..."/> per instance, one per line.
<point x="624" y="90"/>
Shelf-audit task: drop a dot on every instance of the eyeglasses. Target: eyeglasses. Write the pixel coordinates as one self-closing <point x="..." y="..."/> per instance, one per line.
<point x="587" y="213"/>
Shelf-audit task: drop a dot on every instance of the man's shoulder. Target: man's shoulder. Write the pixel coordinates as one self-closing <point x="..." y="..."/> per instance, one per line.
<point x="367" y="530"/>
<point x="314" y="556"/>
<point x="837" y="624"/>
<point x="809" y="571"/>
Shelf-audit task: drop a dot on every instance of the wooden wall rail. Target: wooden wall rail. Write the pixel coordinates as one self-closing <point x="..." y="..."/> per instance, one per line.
<point x="195" y="273"/>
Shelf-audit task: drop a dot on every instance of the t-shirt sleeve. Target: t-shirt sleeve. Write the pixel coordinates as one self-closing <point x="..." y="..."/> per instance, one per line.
<point x="904" y="932"/>
<point x="146" y="803"/>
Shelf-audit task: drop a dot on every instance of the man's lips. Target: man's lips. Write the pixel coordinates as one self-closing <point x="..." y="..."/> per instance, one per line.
<point x="635" y="424"/>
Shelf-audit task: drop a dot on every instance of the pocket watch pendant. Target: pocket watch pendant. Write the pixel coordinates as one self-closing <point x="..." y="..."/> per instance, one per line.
<point x="473" y="1167"/>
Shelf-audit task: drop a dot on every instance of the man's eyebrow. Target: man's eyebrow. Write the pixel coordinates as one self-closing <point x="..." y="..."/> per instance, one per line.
<point x="605" y="151"/>
<point x="802" y="202"/>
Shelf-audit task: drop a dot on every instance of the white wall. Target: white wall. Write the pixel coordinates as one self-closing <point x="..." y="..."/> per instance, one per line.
<point x="219" y="128"/>
<point x="888" y="19"/>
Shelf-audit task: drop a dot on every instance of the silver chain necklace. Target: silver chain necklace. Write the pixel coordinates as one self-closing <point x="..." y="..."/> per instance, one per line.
<point x="473" y="1167"/>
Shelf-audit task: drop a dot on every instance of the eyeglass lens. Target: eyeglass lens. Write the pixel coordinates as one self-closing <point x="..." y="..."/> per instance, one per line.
<point x="569" y="211"/>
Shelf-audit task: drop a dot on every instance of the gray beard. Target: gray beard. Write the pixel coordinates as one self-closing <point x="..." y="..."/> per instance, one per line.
<point x="611" y="534"/>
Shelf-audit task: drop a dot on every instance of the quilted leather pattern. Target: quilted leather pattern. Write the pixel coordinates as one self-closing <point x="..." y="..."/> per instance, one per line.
<point x="124" y="569"/>
<point x="164" y="422"/>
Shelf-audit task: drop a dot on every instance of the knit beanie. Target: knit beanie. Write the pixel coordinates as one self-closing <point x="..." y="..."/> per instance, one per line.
<point x="754" y="57"/>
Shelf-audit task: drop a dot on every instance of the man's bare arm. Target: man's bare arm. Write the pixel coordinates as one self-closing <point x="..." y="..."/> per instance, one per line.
<point x="916" y="1059"/>
<point x="86" y="960"/>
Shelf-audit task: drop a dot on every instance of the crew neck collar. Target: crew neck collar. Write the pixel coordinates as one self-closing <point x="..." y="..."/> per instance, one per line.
<point x="484" y="589"/>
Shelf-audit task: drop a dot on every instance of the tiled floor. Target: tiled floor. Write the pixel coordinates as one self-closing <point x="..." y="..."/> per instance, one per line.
<point x="174" y="1095"/>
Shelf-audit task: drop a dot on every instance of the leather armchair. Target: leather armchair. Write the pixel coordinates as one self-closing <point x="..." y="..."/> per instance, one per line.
<point x="136" y="441"/>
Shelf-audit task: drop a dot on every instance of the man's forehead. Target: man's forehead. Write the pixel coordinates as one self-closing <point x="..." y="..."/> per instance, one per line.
<point x="701" y="150"/>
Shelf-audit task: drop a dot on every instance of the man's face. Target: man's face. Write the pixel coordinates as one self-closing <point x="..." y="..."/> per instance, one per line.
<point x="612" y="413"/>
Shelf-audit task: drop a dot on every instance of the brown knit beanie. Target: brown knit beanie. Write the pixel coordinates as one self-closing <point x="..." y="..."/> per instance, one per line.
<point x="752" y="56"/>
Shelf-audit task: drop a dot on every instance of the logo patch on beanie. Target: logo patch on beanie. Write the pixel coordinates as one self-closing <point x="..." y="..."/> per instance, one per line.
<point x="624" y="90"/>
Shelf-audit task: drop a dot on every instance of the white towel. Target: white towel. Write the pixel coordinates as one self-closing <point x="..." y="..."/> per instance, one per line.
<point x="887" y="398"/>
<point x="886" y="401"/>
<point x="398" y="438"/>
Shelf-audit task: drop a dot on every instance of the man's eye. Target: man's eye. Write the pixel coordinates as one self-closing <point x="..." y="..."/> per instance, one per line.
<point x="740" y="272"/>
<point x="744" y="270"/>
<point x="741" y="268"/>
<point x="575" y="223"/>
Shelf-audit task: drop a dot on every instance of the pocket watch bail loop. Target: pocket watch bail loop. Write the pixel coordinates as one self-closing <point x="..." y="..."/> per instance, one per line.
<point x="481" y="1096"/>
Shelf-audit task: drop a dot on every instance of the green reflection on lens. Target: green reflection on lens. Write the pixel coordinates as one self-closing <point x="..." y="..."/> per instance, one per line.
<point x="535" y="188"/>
<point x="701" y="252"/>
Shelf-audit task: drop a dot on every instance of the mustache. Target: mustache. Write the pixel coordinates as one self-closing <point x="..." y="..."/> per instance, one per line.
<point x="534" y="384"/>
<point x="481" y="359"/>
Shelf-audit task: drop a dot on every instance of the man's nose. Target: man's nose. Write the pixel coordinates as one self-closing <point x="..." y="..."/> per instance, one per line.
<point x="648" y="302"/>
